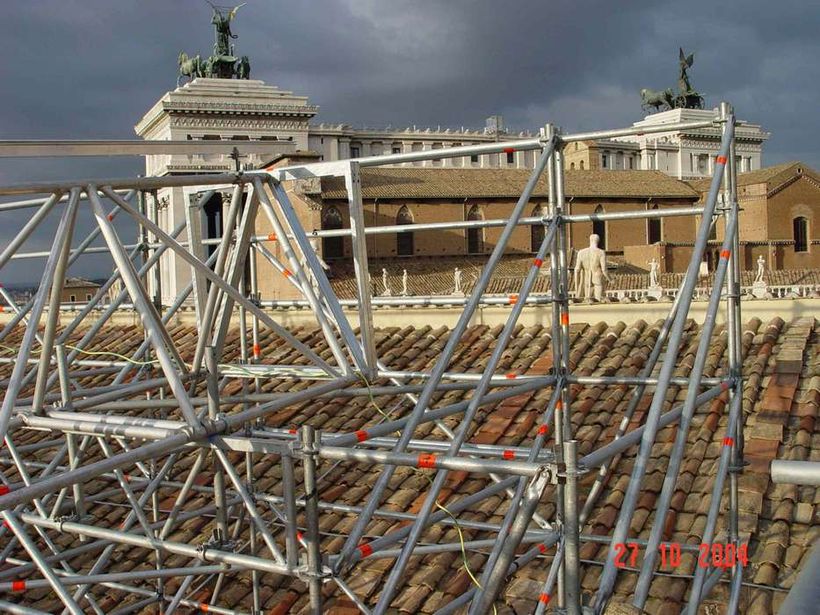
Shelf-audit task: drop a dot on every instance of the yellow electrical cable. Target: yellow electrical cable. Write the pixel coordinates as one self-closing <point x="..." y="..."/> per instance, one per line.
<point x="88" y="352"/>
<point x="99" y="353"/>
<point x="443" y="508"/>
<point x="462" y="542"/>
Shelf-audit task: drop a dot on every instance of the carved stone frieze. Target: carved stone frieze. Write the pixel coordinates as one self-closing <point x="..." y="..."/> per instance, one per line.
<point x="205" y="122"/>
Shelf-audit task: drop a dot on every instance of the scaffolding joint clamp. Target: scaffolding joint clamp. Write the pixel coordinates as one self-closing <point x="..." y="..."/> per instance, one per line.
<point x="62" y="519"/>
<point x="560" y="474"/>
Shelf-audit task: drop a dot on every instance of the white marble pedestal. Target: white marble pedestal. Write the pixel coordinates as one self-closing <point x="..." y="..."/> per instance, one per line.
<point x="760" y="290"/>
<point x="656" y="292"/>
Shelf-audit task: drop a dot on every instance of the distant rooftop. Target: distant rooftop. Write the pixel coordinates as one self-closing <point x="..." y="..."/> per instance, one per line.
<point x="424" y="182"/>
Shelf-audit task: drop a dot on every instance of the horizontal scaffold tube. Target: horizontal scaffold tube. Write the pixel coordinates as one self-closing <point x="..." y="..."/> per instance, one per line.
<point x="431" y="461"/>
<point x="599" y="456"/>
<point x="162" y="447"/>
<point x="796" y="472"/>
<point x="193" y="551"/>
<point x="113" y="577"/>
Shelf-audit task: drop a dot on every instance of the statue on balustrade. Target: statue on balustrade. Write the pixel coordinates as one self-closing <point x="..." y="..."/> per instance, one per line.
<point x="590" y="272"/>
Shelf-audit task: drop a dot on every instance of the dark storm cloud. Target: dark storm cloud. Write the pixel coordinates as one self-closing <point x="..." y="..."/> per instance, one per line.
<point x="91" y="68"/>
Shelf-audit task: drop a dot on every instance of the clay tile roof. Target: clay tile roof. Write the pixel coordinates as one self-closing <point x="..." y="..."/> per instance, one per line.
<point x="774" y="176"/>
<point x="777" y="522"/>
<point x="79" y="283"/>
<point x="432" y="183"/>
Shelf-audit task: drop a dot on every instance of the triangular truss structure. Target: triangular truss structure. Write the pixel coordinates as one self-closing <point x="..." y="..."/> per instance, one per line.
<point x="159" y="413"/>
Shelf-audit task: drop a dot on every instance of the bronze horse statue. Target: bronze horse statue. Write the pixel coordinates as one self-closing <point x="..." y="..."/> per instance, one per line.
<point x="243" y="69"/>
<point x="190" y="67"/>
<point x="657" y="98"/>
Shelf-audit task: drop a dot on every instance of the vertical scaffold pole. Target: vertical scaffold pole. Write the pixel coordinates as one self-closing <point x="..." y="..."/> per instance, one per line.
<point x="572" y="563"/>
<point x="212" y="382"/>
<point x="443" y="361"/>
<point x="557" y="344"/>
<point x="649" y="434"/>
<point x="353" y="184"/>
<point x="482" y="386"/>
<point x="676" y="454"/>
<point x="310" y="449"/>
<point x="734" y="320"/>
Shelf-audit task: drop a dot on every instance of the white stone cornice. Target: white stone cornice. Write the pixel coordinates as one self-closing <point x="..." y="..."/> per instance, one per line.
<point x="206" y="122"/>
<point x="235" y="107"/>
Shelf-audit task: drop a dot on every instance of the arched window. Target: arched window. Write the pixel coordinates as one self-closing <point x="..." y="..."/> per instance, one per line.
<point x="475" y="236"/>
<point x="653" y="229"/>
<point x="537" y="230"/>
<point x="800" y="230"/>
<point x="404" y="241"/>
<point x="582" y="165"/>
<point x="332" y="247"/>
<point x="572" y="165"/>
<point x="599" y="228"/>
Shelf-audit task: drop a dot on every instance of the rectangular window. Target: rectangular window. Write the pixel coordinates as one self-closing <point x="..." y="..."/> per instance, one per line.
<point x="355" y="152"/>
<point x="510" y="158"/>
<point x="396" y="150"/>
<point x="72" y="298"/>
<point x="474" y="159"/>
<point x="604" y="161"/>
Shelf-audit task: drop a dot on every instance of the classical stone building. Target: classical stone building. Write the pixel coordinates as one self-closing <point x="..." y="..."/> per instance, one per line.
<point x="688" y="154"/>
<point x="250" y="110"/>
<point x="406" y="195"/>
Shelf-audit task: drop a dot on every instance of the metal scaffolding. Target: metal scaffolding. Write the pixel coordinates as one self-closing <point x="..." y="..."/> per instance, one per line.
<point x="154" y="409"/>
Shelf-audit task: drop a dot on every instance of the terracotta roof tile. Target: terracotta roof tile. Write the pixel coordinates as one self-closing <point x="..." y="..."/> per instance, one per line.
<point x="431" y="183"/>
<point x="781" y="521"/>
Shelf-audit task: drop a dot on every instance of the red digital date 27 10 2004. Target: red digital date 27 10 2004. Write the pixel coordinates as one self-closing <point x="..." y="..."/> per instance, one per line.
<point x="716" y="554"/>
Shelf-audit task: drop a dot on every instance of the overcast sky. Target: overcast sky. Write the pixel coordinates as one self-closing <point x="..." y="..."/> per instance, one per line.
<point x="85" y="69"/>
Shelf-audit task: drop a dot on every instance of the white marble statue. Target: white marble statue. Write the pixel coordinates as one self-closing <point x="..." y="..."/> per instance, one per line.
<point x="761" y="268"/>
<point x="760" y="289"/>
<point x="654" y="267"/>
<point x="386" y="292"/>
<point x="590" y="271"/>
<point x="404" y="282"/>
<point x="457" y="282"/>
